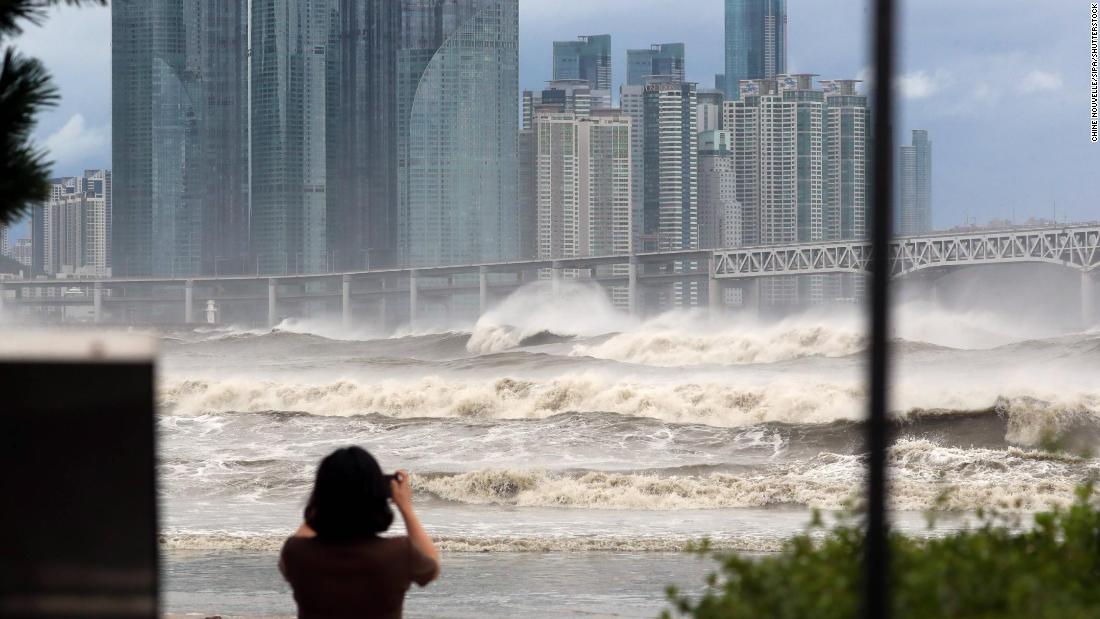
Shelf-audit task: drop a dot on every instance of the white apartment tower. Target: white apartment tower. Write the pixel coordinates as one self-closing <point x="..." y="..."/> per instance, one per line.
<point x="720" y="219"/>
<point x="801" y="173"/>
<point x="582" y="176"/>
<point x="670" y="215"/>
<point x="632" y="103"/>
<point x="74" y="226"/>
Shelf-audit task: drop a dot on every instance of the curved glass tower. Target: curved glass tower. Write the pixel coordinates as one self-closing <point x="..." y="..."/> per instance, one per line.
<point x="458" y="160"/>
<point x="756" y="42"/>
<point x="179" y="126"/>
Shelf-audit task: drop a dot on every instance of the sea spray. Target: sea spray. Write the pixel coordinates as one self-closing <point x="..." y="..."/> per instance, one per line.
<point x="574" y="308"/>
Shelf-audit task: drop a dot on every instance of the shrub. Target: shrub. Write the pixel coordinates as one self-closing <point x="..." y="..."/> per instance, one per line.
<point x="1050" y="570"/>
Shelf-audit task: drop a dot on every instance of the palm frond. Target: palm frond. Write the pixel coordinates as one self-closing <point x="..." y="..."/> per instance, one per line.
<point x="13" y="13"/>
<point x="25" y="90"/>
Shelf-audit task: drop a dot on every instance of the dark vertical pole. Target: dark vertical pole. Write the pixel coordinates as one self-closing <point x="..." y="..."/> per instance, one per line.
<point x="876" y="603"/>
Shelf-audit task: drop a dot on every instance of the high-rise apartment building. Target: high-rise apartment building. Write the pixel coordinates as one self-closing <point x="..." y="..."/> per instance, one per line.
<point x="5" y="247"/>
<point x="847" y="179"/>
<point x="709" y="110"/>
<point x="671" y="191"/>
<point x="582" y="187"/>
<point x="916" y="185"/>
<point x="720" y="219"/>
<point x="361" y="134"/>
<point x="756" y="42"/>
<point x="22" y="252"/>
<point x="75" y="226"/>
<point x="661" y="59"/>
<point x="458" y="100"/>
<point x="583" y="184"/>
<point x="573" y="96"/>
<point x="801" y="172"/>
<point x="180" y="136"/>
<point x="588" y="58"/>
<point x="632" y="104"/>
<point x="671" y="200"/>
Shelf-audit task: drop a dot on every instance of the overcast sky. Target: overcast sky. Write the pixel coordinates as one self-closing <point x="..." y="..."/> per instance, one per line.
<point x="1001" y="85"/>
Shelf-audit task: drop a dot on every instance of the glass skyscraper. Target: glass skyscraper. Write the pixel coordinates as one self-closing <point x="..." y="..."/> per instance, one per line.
<point x="179" y="137"/>
<point x="458" y="105"/>
<point x="362" y="134"/>
<point x="916" y="185"/>
<point x="756" y="42"/>
<point x="664" y="59"/>
<point x="587" y="58"/>
<point x="289" y="56"/>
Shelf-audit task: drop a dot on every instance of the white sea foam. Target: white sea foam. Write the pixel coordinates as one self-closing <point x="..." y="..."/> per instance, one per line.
<point x="223" y="541"/>
<point x="1032" y="411"/>
<point x="573" y="309"/>
<point x="684" y="338"/>
<point x="692" y="337"/>
<point x="715" y="404"/>
<point x="923" y="475"/>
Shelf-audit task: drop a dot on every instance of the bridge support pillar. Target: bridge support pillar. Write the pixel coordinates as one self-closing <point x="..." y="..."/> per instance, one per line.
<point x="272" y="295"/>
<point x="97" y="303"/>
<point x="189" y="302"/>
<point x="413" y="300"/>
<point x="632" y="287"/>
<point x="383" y="306"/>
<point x="483" y="290"/>
<point x="1088" y="298"/>
<point x="345" y="300"/>
<point x="714" y="288"/>
<point x="555" y="277"/>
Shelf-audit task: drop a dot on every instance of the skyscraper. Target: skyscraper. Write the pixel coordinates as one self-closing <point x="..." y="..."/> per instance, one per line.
<point x="756" y="42"/>
<point x="916" y="185"/>
<point x="846" y="143"/>
<point x="582" y="191"/>
<point x="588" y="58"/>
<point x="179" y="146"/>
<point x="583" y="186"/>
<point x="632" y="103"/>
<point x="573" y="96"/>
<point x="720" y="219"/>
<point x="671" y="193"/>
<point x="664" y="59"/>
<point x="801" y="172"/>
<point x="289" y="56"/>
<point x="709" y="110"/>
<point x="670" y="188"/>
<point x="361" y="136"/>
<point x="75" y="225"/>
<point x="458" y="100"/>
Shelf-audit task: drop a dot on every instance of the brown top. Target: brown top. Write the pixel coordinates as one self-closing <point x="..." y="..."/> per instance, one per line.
<point x="365" y="579"/>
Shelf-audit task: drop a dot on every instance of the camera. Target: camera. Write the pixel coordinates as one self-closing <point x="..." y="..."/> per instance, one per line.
<point x="386" y="479"/>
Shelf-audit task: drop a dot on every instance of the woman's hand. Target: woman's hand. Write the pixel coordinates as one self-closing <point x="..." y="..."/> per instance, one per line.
<point x="401" y="491"/>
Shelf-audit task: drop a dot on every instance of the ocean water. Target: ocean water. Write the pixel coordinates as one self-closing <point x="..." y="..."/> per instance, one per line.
<point x="563" y="454"/>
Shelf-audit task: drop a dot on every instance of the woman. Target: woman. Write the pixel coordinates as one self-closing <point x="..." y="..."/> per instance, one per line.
<point x="336" y="563"/>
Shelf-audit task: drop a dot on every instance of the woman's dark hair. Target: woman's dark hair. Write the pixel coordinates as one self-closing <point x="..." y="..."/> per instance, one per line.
<point x="349" y="499"/>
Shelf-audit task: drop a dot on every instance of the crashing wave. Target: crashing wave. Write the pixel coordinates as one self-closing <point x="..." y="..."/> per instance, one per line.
<point x="1031" y="415"/>
<point x="923" y="474"/>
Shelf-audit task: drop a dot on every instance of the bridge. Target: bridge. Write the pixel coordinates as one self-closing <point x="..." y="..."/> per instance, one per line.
<point x="1075" y="247"/>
